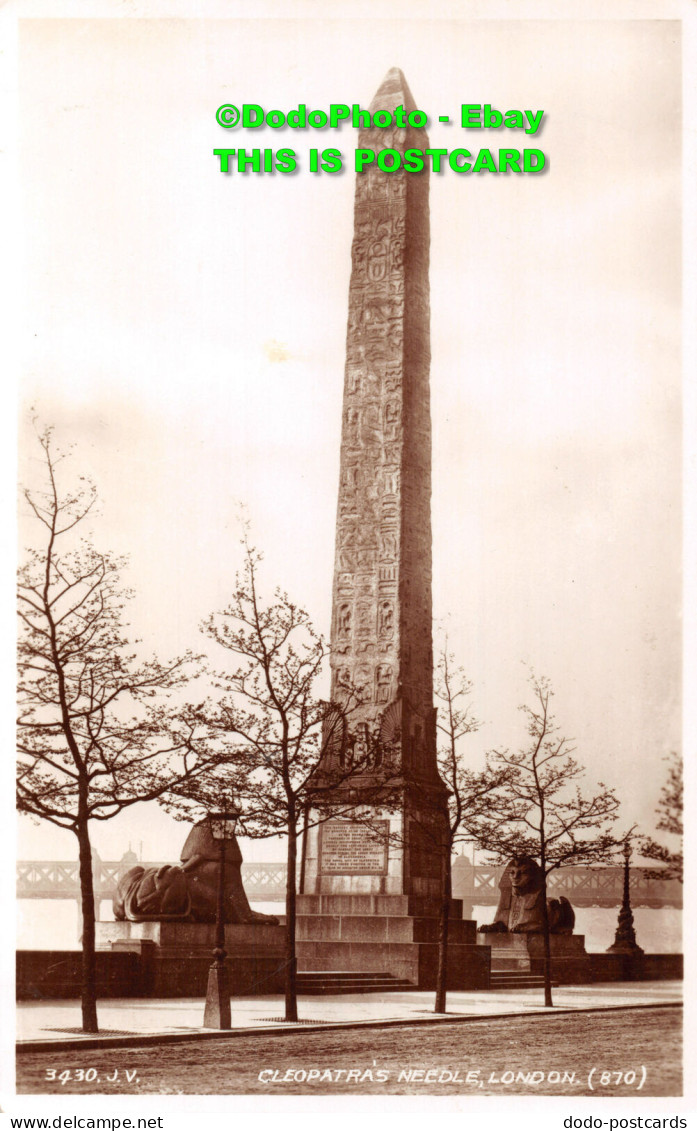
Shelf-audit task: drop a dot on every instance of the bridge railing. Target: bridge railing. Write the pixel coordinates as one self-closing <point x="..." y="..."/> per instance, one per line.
<point x="475" y="884"/>
<point x="582" y="886"/>
<point x="60" y="879"/>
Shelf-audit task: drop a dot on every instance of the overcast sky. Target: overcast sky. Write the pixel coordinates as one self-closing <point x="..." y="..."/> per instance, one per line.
<point x="186" y="331"/>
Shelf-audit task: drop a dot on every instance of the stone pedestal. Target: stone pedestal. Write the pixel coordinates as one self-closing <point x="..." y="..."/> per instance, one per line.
<point x="571" y="965"/>
<point x="393" y="934"/>
<point x="176" y="957"/>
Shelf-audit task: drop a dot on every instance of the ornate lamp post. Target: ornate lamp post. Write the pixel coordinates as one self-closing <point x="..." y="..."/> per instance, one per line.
<point x="625" y="937"/>
<point x="217" y="1012"/>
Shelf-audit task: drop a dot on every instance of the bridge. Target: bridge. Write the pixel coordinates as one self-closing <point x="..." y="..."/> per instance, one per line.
<point x="476" y="885"/>
<point x="60" y="879"/>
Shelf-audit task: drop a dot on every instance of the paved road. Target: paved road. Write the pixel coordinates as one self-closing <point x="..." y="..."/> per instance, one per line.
<point x="543" y="1055"/>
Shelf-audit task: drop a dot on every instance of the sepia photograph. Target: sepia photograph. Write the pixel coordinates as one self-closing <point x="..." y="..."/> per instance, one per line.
<point x="350" y="533"/>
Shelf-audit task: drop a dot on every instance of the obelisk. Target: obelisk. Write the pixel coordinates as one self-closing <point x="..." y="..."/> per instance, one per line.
<point x="381" y="636"/>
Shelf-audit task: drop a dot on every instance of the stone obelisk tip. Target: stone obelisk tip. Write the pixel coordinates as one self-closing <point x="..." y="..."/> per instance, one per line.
<point x="393" y="91"/>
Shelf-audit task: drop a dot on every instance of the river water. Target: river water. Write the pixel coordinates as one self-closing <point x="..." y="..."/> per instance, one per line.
<point x="52" y="924"/>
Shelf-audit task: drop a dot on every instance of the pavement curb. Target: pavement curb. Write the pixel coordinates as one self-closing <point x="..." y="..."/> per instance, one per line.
<point x="282" y="1029"/>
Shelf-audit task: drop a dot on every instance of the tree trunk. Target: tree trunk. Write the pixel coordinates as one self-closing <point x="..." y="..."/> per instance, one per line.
<point x="303" y="850"/>
<point x="89" y="963"/>
<point x="291" y="960"/>
<point x="547" y="959"/>
<point x="443" y="926"/>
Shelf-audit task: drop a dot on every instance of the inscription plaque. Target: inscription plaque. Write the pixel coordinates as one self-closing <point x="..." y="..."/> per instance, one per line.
<point x="353" y="850"/>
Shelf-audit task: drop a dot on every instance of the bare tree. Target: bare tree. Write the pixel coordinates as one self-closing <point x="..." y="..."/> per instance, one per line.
<point x="670" y="814"/>
<point x="472" y="795"/>
<point x="542" y="812"/>
<point x="94" y="731"/>
<point x="270" y="731"/>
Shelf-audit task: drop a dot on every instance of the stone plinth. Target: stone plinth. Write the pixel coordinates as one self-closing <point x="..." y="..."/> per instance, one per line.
<point x="191" y="936"/>
<point x="394" y="934"/>
<point x="571" y="965"/>
<point x="176" y="957"/>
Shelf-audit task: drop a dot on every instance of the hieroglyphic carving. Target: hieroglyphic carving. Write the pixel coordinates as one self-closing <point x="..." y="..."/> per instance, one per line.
<point x="383" y="683"/>
<point x="393" y="376"/>
<point x="386" y="619"/>
<point x="370" y="428"/>
<point x="390" y="481"/>
<point x="388" y="544"/>
<point x="392" y="421"/>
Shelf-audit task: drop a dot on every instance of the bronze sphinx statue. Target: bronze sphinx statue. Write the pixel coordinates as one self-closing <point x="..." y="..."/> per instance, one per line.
<point x="520" y="907"/>
<point x="188" y="893"/>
